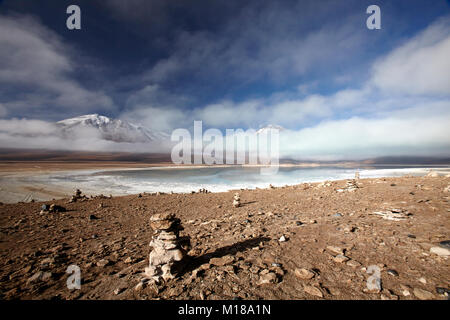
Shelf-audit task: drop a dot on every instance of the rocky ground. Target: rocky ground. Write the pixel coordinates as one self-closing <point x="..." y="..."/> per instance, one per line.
<point x="318" y="241"/>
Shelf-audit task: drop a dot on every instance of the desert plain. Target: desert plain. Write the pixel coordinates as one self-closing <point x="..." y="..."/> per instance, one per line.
<point x="309" y="241"/>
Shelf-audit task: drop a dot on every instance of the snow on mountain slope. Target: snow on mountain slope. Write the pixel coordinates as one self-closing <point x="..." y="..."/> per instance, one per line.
<point x="109" y="129"/>
<point x="270" y="127"/>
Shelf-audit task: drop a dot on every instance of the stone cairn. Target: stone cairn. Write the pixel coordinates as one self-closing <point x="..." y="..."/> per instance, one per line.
<point x="352" y="185"/>
<point x="357" y="175"/>
<point x="236" y="200"/>
<point x="167" y="254"/>
<point x="78" y="196"/>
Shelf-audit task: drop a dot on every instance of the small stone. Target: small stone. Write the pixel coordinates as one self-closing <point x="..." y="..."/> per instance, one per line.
<point x="228" y="259"/>
<point x="392" y="272"/>
<point x="440" y="251"/>
<point x="444" y="291"/>
<point x="405" y="290"/>
<point x="423" y="294"/>
<point x="337" y="215"/>
<point x="349" y="229"/>
<point x="56" y="209"/>
<point x="282" y="239"/>
<point x="353" y="264"/>
<point x="423" y="280"/>
<point x="118" y="291"/>
<point x="26" y="269"/>
<point x="314" y="291"/>
<point x="102" y="263"/>
<point x="335" y="250"/>
<point x="267" y="278"/>
<point x="276" y="265"/>
<point x="304" y="274"/>
<point x="40" y="276"/>
<point x="129" y="260"/>
<point x="340" y="258"/>
<point x="140" y="286"/>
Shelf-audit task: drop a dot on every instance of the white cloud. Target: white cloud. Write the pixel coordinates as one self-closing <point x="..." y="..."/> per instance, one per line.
<point x="162" y="119"/>
<point x="420" y="66"/>
<point x="359" y="138"/>
<point x="36" y="68"/>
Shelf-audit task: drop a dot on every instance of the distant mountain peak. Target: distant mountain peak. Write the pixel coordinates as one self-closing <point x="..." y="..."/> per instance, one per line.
<point x="270" y="127"/>
<point x="111" y="129"/>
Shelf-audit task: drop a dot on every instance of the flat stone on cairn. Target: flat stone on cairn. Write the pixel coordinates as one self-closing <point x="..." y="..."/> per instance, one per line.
<point x="167" y="250"/>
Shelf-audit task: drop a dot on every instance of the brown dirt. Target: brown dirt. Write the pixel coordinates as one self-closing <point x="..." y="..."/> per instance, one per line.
<point x="249" y="234"/>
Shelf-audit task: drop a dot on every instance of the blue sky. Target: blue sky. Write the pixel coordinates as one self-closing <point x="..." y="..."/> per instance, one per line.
<point x="306" y="65"/>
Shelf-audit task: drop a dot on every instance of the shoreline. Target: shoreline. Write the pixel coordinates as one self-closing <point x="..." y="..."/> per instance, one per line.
<point x="57" y="166"/>
<point x="18" y="186"/>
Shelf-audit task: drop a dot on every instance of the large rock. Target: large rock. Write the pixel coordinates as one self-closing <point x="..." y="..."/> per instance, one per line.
<point x="423" y="294"/>
<point x="314" y="291"/>
<point x="440" y="251"/>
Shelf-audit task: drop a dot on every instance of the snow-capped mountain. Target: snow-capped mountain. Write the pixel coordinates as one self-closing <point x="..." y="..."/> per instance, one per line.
<point x="270" y="127"/>
<point x="110" y="129"/>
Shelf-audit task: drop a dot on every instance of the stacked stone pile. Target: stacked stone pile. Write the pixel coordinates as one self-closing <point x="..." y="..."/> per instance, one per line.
<point x="167" y="254"/>
<point x="78" y="196"/>
<point x="236" y="200"/>
<point x="352" y="185"/>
